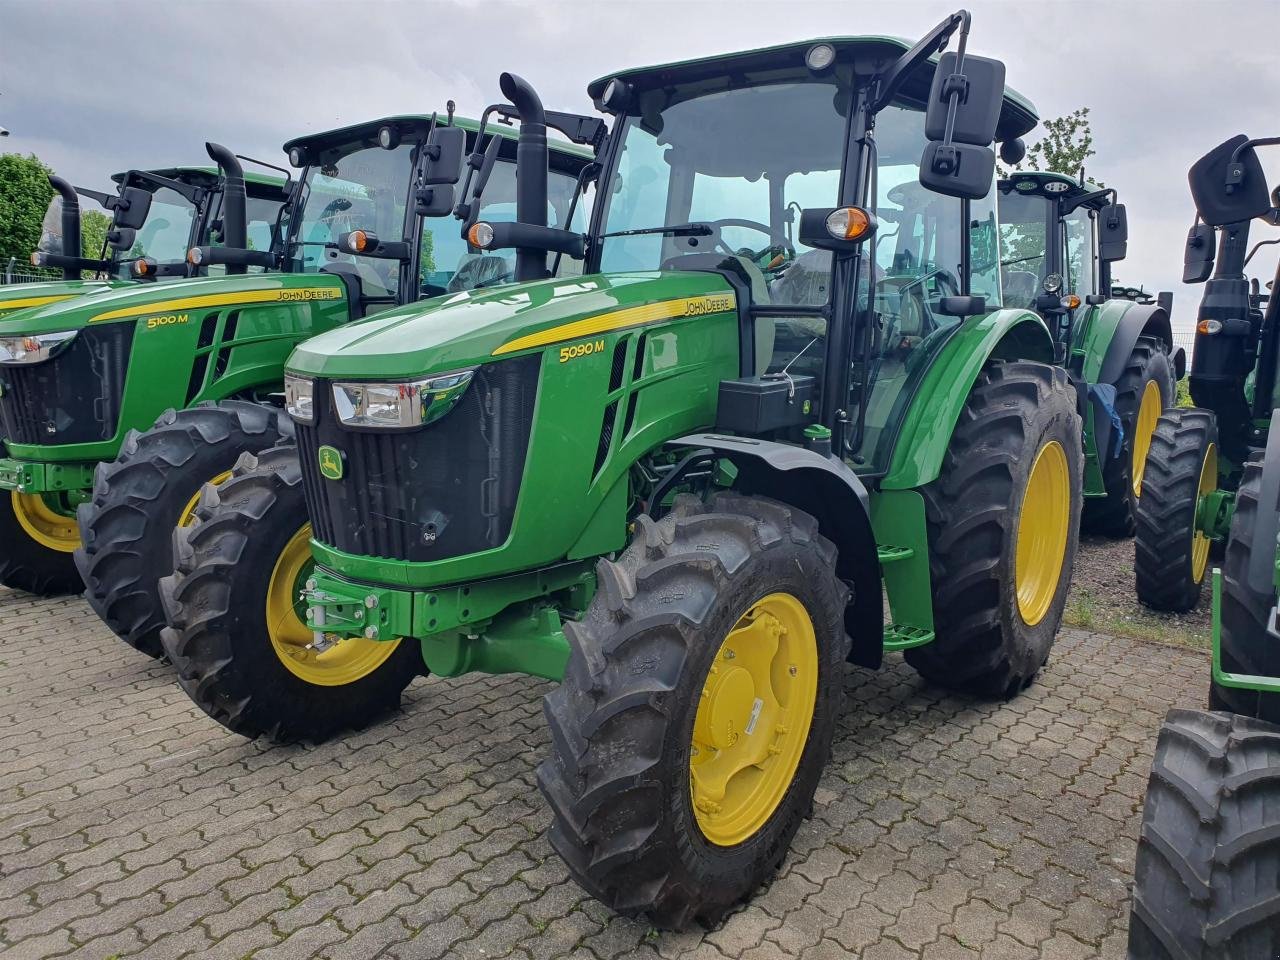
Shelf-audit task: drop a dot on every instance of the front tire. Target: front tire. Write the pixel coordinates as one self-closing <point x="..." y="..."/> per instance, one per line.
<point x="1143" y="392"/>
<point x="148" y="490"/>
<point x="1207" y="874"/>
<point x="237" y="635"/>
<point x="1246" y="646"/>
<point x="1003" y="523"/>
<point x="1170" y="555"/>
<point x="38" y="538"/>
<point x="715" y="640"/>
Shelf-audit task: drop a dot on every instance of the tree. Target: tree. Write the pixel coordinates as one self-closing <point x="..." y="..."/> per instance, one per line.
<point x="24" y="196"/>
<point x="93" y="232"/>
<point x="1066" y="145"/>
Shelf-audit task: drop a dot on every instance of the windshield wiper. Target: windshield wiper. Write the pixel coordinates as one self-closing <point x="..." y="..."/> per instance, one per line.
<point x="674" y="230"/>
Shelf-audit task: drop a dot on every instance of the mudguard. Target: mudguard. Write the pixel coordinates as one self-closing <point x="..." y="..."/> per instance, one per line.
<point x="1114" y="332"/>
<point x="1262" y="562"/>
<point x="935" y="409"/>
<point x="826" y="488"/>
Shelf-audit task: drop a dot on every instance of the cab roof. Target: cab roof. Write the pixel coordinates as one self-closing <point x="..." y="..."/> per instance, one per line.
<point x="1034" y="181"/>
<point x="869" y="54"/>
<point x="368" y="131"/>
<point x="210" y="177"/>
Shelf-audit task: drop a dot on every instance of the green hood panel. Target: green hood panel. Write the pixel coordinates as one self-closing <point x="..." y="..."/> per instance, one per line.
<point x="26" y="296"/>
<point x="175" y="296"/>
<point x="464" y="329"/>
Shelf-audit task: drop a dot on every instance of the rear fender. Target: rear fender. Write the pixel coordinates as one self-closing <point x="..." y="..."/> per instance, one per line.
<point x="832" y="493"/>
<point x="935" y="409"/>
<point x="1114" y="333"/>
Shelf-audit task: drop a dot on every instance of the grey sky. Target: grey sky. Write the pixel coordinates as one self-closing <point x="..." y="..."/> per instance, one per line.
<point x="92" y="87"/>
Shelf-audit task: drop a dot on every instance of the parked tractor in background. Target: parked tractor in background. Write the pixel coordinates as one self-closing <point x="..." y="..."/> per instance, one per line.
<point x="682" y="482"/>
<point x="1207" y="880"/>
<point x="156" y="216"/>
<point x="368" y="230"/>
<point x="1058" y="240"/>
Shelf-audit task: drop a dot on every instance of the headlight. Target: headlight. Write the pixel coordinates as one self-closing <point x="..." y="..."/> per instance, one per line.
<point x="1053" y="283"/>
<point x="34" y="347"/>
<point x="298" y="398"/>
<point x="399" y="406"/>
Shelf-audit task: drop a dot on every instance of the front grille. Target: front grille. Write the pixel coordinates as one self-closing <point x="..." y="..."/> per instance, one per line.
<point x="74" y="397"/>
<point x="442" y="491"/>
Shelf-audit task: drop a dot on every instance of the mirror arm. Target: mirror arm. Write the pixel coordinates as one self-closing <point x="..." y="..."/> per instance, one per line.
<point x="1235" y="169"/>
<point x="1070" y="206"/>
<point x="934" y="41"/>
<point x="1258" y="246"/>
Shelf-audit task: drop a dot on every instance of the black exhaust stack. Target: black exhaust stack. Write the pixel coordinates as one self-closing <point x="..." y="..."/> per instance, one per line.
<point x="70" y="224"/>
<point x="235" y="231"/>
<point x="531" y="170"/>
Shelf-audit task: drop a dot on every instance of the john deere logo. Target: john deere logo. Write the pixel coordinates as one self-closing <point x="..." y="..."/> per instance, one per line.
<point x="330" y="462"/>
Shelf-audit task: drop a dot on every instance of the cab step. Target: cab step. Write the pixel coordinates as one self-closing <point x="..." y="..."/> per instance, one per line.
<point x="898" y="636"/>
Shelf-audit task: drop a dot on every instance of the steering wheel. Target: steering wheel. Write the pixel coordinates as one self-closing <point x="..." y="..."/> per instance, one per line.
<point x="767" y="257"/>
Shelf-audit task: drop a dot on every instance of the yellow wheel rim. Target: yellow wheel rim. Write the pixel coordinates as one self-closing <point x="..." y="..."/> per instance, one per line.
<point x="188" y="515"/>
<point x="1042" y="533"/>
<point x="1199" y="542"/>
<point x="45" y="525"/>
<point x="347" y="661"/>
<point x="753" y="719"/>
<point x="1144" y="429"/>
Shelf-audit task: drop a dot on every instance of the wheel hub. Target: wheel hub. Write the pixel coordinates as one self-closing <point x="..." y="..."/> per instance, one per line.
<point x="1042" y="533"/>
<point x="753" y="719"/>
<point x="45" y="524"/>
<point x="1144" y="429"/>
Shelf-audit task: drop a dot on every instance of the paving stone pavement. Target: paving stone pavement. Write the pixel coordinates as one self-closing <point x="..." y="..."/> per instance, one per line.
<point x="131" y="825"/>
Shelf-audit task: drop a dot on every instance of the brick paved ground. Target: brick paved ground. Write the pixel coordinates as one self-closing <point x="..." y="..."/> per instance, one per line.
<point x="132" y="825"/>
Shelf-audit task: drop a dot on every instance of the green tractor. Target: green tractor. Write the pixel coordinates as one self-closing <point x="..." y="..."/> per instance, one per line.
<point x="681" y="483"/>
<point x="1058" y="240"/>
<point x="82" y="376"/>
<point x="157" y="215"/>
<point x="1207" y="881"/>
<point x="1199" y="454"/>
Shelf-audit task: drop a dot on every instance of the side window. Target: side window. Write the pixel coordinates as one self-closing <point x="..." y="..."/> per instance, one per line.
<point x="1081" y="254"/>
<point x="640" y="187"/>
<point x="984" y="251"/>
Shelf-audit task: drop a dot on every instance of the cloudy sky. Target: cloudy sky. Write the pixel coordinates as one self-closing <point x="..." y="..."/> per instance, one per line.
<point x="92" y="87"/>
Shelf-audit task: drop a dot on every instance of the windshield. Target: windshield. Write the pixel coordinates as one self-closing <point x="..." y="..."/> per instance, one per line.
<point x="165" y="237"/>
<point x="366" y="189"/>
<point x="1024" y="231"/>
<point x="447" y="265"/>
<point x="744" y="161"/>
<point x="260" y="223"/>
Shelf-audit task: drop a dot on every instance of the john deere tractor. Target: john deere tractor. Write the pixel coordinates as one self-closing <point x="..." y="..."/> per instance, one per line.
<point x="1198" y="455"/>
<point x="1207" y="881"/>
<point x="81" y="377"/>
<point x="1058" y="240"/>
<point x="678" y="483"/>
<point x="157" y="215"/>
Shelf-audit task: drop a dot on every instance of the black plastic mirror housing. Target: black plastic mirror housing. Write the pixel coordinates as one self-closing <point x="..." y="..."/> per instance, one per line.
<point x="132" y="208"/>
<point x="959" y="170"/>
<point x="1197" y="258"/>
<point x="1113" y="233"/>
<point x="1226" y="193"/>
<point x="978" y="106"/>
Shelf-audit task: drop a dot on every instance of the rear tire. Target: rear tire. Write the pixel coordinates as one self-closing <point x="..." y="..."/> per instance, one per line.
<point x="1170" y="561"/>
<point x="1207" y="875"/>
<point x="985" y="643"/>
<point x="1246" y="645"/>
<point x="222" y="639"/>
<point x="1114" y="515"/>
<point x="138" y="499"/>
<point x="624" y="721"/>
<point x="27" y="564"/>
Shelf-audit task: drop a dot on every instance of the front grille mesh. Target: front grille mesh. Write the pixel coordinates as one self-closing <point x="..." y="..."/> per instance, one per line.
<point x="74" y="397"/>
<point x="441" y="491"/>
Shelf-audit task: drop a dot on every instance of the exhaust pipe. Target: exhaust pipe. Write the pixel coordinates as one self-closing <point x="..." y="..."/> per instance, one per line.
<point x="531" y="170"/>
<point x="235" y="233"/>
<point x="70" y="223"/>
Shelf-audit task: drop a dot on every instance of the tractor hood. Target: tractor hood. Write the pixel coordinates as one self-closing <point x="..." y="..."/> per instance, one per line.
<point x="466" y="329"/>
<point x="24" y="296"/>
<point x="175" y="295"/>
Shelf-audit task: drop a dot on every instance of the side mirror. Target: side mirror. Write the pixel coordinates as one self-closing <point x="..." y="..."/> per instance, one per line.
<point x="1226" y="192"/>
<point x="121" y="238"/>
<point x="132" y="208"/>
<point x="964" y="165"/>
<point x="441" y="170"/>
<point x="961" y="306"/>
<point x="1197" y="259"/>
<point x="1113" y="233"/>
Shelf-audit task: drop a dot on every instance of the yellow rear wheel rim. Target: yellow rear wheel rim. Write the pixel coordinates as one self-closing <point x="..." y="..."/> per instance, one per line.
<point x="753" y="719"/>
<point x="347" y="661"/>
<point x="1043" y="524"/>
<point x="188" y="515"/>
<point x="1144" y="429"/>
<point x="45" y="525"/>
<point x="1199" y="542"/>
